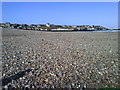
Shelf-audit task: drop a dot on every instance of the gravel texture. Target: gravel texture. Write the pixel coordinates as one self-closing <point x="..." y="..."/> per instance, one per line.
<point x="38" y="59"/>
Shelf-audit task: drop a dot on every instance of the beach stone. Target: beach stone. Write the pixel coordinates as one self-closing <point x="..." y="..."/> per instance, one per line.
<point x="60" y="59"/>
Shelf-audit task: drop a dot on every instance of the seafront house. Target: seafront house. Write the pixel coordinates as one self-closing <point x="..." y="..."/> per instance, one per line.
<point x="49" y="27"/>
<point x="7" y="25"/>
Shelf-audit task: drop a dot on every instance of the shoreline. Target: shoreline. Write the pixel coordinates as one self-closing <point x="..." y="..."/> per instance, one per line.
<point x="68" y="30"/>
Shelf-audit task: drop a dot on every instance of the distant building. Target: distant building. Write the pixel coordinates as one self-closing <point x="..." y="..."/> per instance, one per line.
<point x="74" y="26"/>
<point x="90" y="28"/>
<point x="38" y="26"/>
<point x="43" y="29"/>
<point x="48" y="25"/>
<point x="7" y="25"/>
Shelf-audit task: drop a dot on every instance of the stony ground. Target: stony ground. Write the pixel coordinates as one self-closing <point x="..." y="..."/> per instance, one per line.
<point x="59" y="59"/>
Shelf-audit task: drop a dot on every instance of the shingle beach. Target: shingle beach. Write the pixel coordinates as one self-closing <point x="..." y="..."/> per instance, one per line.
<point x="39" y="59"/>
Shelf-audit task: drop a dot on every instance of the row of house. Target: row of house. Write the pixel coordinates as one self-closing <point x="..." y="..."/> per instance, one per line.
<point x="50" y="27"/>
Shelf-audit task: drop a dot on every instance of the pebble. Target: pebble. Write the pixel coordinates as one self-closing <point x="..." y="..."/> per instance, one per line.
<point x="60" y="62"/>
